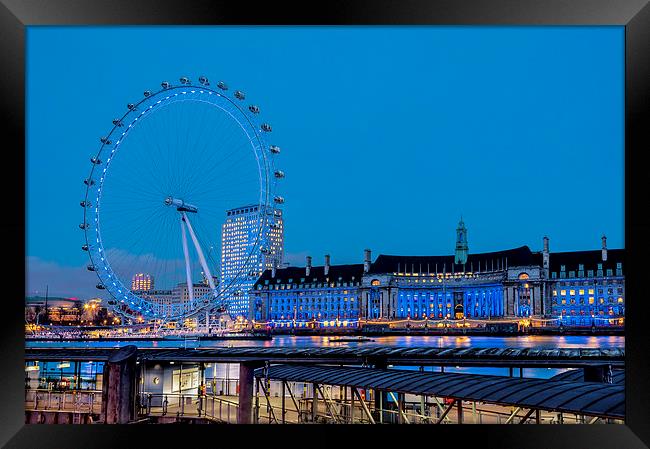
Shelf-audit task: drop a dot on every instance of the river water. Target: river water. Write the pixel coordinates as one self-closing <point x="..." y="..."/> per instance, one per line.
<point x="533" y="341"/>
<point x="525" y="341"/>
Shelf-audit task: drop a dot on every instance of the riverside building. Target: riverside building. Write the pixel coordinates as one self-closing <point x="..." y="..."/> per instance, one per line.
<point x="588" y="287"/>
<point x="309" y="297"/>
<point x="579" y="288"/>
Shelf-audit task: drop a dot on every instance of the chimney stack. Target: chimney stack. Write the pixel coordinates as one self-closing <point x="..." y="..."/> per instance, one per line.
<point x="604" y="239"/>
<point x="327" y="264"/>
<point x="308" y="267"/>
<point x="366" y="260"/>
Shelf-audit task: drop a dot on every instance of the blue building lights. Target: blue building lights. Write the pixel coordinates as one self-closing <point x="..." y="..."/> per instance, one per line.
<point x="587" y="288"/>
<point x="310" y="297"/>
<point x="579" y="288"/>
<point x="483" y="301"/>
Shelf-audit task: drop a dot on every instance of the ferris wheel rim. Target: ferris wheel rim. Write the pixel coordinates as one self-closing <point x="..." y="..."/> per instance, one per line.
<point x="92" y="228"/>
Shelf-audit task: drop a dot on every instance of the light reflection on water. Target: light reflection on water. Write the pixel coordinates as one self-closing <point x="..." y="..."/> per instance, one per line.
<point x="464" y="341"/>
<point x="437" y="341"/>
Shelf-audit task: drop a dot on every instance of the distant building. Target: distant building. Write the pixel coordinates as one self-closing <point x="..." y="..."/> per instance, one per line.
<point x="238" y="237"/>
<point x="165" y="299"/>
<point x="322" y="296"/>
<point x="487" y="285"/>
<point x="55" y="310"/>
<point x="588" y="287"/>
<point x="142" y="282"/>
<point x="59" y="311"/>
<point x="579" y="288"/>
<point x="162" y="298"/>
<point x="181" y="293"/>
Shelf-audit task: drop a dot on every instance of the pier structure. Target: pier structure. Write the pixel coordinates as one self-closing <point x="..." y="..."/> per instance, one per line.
<point x="338" y="385"/>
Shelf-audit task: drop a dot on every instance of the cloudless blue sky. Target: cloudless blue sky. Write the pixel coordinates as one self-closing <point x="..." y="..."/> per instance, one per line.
<point x="389" y="134"/>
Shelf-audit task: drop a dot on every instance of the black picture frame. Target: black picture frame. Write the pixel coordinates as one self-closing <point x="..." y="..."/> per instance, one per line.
<point x="634" y="15"/>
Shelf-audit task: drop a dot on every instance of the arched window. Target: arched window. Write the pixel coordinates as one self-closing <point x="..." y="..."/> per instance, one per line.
<point x="375" y="282"/>
<point x="523" y="276"/>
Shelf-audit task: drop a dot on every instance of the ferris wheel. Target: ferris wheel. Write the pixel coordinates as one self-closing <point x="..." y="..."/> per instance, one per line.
<point x="157" y="195"/>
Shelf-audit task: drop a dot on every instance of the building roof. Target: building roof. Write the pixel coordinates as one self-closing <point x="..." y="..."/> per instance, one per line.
<point x="578" y="375"/>
<point x="344" y="273"/>
<point x="252" y="208"/>
<point x="583" y="398"/>
<point x="521" y="256"/>
<point x="397" y="355"/>
<point x="590" y="259"/>
<point x="490" y="261"/>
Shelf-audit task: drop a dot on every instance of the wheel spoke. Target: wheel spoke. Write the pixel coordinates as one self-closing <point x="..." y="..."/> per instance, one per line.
<point x="187" y="151"/>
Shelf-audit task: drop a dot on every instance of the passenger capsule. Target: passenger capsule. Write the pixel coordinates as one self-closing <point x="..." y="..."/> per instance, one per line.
<point x="147" y="93"/>
<point x="184" y="80"/>
<point x="83" y="225"/>
<point x="95" y="160"/>
<point x="266" y="127"/>
<point x="265" y="251"/>
<point x="100" y="286"/>
<point x="89" y="182"/>
<point x="274" y="149"/>
<point x="90" y="268"/>
<point x="105" y="140"/>
<point x="221" y="85"/>
<point x="239" y="95"/>
<point x="117" y="122"/>
<point x="279" y="174"/>
<point x="86" y="204"/>
<point x="165" y="85"/>
<point x="203" y="80"/>
<point x="131" y="106"/>
<point x="254" y="109"/>
<point x="84" y="247"/>
<point x="278" y="199"/>
<point x="274" y="225"/>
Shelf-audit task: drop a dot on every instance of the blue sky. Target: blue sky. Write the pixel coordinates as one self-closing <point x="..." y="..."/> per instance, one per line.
<point x="389" y="134"/>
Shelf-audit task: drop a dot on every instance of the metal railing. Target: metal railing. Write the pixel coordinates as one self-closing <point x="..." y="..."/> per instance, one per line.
<point x="186" y="405"/>
<point x="89" y="401"/>
<point x="222" y="387"/>
<point x="345" y="411"/>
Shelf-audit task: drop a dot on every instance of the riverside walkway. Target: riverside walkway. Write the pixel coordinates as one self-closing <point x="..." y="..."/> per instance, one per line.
<point x="342" y="385"/>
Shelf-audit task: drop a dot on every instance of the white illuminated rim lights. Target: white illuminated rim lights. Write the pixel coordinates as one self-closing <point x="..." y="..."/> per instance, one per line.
<point x="247" y="121"/>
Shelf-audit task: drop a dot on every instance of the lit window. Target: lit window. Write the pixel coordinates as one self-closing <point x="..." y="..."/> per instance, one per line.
<point x="562" y="292"/>
<point x="582" y="291"/>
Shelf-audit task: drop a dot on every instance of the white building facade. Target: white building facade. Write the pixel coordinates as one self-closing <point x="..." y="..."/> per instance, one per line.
<point x="239" y="235"/>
